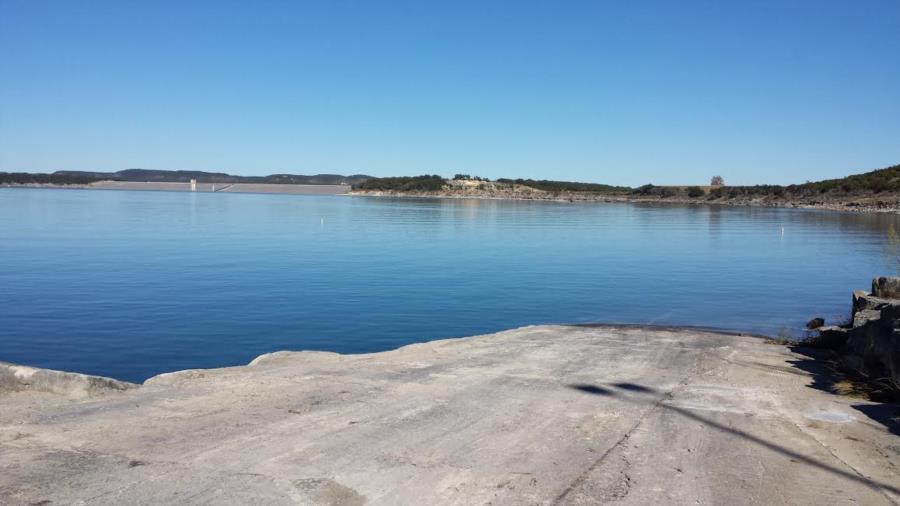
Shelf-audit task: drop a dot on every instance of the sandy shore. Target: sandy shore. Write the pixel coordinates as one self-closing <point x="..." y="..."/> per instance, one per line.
<point x="538" y="415"/>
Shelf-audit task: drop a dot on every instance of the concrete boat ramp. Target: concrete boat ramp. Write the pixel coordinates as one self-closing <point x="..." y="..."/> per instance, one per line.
<point x="537" y="415"/>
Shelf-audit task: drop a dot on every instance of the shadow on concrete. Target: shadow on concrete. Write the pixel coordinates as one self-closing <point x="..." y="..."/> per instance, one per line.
<point x="825" y="375"/>
<point x="885" y="414"/>
<point x="591" y="389"/>
<point x="633" y="387"/>
<point x="660" y="402"/>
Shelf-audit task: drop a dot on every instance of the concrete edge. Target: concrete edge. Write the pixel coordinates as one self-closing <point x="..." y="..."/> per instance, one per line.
<point x="14" y="378"/>
<point x="75" y="385"/>
<point x="670" y="328"/>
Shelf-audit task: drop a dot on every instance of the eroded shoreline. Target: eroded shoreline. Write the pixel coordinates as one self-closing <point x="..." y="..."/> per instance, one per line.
<point x="891" y="206"/>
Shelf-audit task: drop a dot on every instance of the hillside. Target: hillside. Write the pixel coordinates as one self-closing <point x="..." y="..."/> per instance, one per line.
<point x="878" y="190"/>
<point x="885" y="180"/>
<point x="434" y="183"/>
<point x="874" y="190"/>
<point x="184" y="176"/>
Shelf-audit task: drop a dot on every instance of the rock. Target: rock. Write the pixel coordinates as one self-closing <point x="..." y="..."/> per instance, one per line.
<point x="870" y="344"/>
<point x="859" y="299"/>
<point x="865" y="316"/>
<point x="887" y="287"/>
<point x="75" y="385"/>
<point x="815" y="323"/>
<point x="830" y="337"/>
<point x="865" y="300"/>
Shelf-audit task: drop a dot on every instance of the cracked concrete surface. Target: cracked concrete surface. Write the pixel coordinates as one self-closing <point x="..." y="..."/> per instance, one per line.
<point x="538" y="415"/>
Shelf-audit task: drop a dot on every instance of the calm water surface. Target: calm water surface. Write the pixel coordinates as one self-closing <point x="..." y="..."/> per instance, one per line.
<point x="130" y="284"/>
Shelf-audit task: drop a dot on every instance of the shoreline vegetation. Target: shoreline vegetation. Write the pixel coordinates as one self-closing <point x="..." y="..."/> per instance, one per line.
<point x="875" y="191"/>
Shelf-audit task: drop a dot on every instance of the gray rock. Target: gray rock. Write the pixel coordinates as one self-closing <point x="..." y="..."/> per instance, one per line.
<point x="75" y="385"/>
<point x="859" y="299"/>
<point x="865" y="300"/>
<point x="865" y="316"/>
<point x="887" y="287"/>
<point x="815" y="323"/>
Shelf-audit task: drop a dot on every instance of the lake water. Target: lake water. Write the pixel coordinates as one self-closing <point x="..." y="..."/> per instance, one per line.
<point x="130" y="284"/>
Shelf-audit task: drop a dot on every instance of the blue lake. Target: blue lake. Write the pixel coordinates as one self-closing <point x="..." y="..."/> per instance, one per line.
<point x="130" y="284"/>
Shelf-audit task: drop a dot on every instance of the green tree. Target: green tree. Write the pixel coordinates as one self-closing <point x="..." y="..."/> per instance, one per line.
<point x="695" y="191"/>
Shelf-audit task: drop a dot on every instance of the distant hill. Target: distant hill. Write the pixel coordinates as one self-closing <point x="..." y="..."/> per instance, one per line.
<point x="877" y="189"/>
<point x="875" y="182"/>
<point x="184" y="176"/>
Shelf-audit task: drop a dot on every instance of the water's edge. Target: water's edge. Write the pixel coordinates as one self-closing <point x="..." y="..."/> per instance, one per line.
<point x="20" y="377"/>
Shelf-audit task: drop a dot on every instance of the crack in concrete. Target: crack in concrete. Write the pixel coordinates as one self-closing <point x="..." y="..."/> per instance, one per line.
<point x="599" y="462"/>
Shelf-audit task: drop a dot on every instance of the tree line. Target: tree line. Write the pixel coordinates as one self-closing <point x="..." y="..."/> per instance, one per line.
<point x="60" y="179"/>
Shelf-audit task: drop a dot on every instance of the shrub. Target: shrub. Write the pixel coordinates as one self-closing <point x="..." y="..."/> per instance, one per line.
<point x="55" y="178"/>
<point x="667" y="191"/>
<point x="416" y="184"/>
<point x="647" y="189"/>
<point x="695" y="191"/>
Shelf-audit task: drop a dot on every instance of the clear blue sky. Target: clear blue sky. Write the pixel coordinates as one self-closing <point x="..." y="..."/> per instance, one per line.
<point x="618" y="92"/>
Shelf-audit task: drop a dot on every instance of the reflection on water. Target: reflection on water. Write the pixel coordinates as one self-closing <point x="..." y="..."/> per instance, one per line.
<point x="130" y="284"/>
<point x="892" y="250"/>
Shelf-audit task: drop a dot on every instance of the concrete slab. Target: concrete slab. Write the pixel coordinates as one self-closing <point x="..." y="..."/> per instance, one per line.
<point x="538" y="415"/>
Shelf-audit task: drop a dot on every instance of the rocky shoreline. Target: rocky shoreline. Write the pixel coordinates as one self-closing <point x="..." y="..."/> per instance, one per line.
<point x="869" y="345"/>
<point x="885" y="204"/>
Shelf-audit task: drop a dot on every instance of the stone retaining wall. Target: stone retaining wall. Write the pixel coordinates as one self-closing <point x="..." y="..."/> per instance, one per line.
<point x="870" y="343"/>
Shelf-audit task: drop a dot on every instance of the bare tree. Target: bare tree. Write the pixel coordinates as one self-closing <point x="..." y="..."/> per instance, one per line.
<point x="717" y="181"/>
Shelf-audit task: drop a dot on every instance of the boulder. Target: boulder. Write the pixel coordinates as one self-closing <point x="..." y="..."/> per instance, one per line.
<point x="886" y="287"/>
<point x="815" y="323"/>
<point x="865" y="300"/>
<point x="870" y="344"/>
<point x="865" y="316"/>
